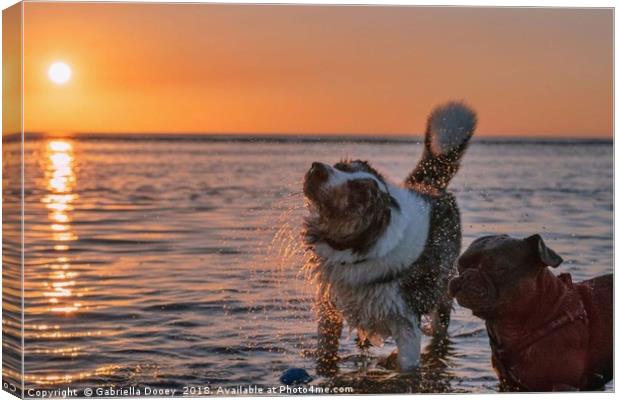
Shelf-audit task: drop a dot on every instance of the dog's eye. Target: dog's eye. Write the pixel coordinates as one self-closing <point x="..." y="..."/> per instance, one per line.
<point x="363" y="184"/>
<point x="469" y="261"/>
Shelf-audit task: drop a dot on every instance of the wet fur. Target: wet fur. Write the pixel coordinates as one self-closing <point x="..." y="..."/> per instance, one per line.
<point x="383" y="253"/>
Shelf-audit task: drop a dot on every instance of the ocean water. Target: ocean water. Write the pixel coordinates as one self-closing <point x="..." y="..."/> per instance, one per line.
<point x="177" y="263"/>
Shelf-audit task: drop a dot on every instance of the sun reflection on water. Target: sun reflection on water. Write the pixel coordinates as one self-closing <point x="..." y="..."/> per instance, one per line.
<point x="60" y="287"/>
<point x="55" y="379"/>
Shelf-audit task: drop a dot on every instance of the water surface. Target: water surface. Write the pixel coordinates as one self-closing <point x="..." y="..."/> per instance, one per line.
<point x="171" y="263"/>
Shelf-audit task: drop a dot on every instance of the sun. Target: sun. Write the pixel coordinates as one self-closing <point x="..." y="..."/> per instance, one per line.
<point x="59" y="73"/>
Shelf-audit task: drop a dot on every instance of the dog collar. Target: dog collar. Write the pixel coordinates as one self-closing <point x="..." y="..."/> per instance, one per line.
<point x="505" y="358"/>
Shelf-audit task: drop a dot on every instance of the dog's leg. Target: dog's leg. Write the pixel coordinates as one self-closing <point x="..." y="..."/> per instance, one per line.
<point x="440" y="317"/>
<point x="408" y="337"/>
<point x="329" y="330"/>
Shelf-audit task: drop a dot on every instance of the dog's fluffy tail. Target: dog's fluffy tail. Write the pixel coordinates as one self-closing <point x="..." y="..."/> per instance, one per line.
<point x="448" y="130"/>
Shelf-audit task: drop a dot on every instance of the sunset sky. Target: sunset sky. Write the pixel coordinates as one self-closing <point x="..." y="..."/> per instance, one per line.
<point x="315" y="69"/>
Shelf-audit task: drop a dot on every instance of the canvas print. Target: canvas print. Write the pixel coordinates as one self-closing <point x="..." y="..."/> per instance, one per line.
<point x="232" y="199"/>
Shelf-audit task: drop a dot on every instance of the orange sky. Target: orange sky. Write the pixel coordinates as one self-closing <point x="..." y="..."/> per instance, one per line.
<point x="316" y="69"/>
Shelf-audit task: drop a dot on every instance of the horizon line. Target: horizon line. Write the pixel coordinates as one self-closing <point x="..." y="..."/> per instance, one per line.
<point x="302" y="137"/>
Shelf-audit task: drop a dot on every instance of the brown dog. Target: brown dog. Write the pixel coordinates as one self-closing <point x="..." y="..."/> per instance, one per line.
<point x="546" y="332"/>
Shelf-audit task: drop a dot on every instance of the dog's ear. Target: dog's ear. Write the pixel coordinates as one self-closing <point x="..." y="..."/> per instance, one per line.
<point x="543" y="253"/>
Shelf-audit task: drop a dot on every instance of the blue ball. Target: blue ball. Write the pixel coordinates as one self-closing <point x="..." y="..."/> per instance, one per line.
<point x="295" y="376"/>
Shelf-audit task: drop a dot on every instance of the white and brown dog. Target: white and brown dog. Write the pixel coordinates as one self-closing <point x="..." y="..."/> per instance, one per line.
<point x="382" y="254"/>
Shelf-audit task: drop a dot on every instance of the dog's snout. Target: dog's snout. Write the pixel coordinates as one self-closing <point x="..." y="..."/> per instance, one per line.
<point x="314" y="179"/>
<point x="318" y="172"/>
